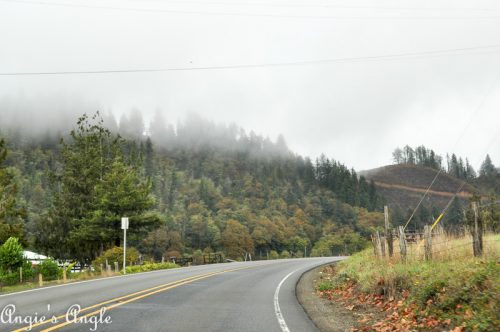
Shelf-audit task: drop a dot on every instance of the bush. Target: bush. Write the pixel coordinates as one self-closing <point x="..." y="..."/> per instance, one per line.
<point x="273" y="254"/>
<point x="115" y="254"/>
<point x="150" y="267"/>
<point x="11" y="255"/>
<point x="28" y="271"/>
<point x="49" y="269"/>
<point x="197" y="257"/>
<point x="285" y="254"/>
<point x="14" y="277"/>
<point x="9" y="279"/>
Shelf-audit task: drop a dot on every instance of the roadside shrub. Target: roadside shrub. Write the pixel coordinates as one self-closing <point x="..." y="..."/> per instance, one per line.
<point x="150" y="267"/>
<point x="11" y="255"/>
<point x="28" y="271"/>
<point x="197" y="257"/>
<point x="49" y="269"/>
<point x="285" y="254"/>
<point x="9" y="279"/>
<point x="115" y="254"/>
<point x="273" y="254"/>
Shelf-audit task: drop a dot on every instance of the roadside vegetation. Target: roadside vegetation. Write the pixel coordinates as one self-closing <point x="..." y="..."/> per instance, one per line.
<point x="150" y="267"/>
<point x="453" y="291"/>
<point x="17" y="273"/>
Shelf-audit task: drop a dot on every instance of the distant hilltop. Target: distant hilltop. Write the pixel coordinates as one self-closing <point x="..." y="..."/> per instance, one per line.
<point x="403" y="185"/>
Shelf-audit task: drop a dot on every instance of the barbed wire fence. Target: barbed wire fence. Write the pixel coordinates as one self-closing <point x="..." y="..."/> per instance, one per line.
<point x="436" y="244"/>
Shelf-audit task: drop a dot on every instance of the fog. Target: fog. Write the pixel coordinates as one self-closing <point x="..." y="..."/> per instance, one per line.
<point x="355" y="111"/>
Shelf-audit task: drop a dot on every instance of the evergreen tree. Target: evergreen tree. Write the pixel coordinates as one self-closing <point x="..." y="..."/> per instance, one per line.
<point x="11" y="215"/>
<point x="487" y="167"/>
<point x="148" y="158"/>
<point x="455" y="214"/>
<point x="470" y="173"/>
<point x="96" y="190"/>
<point x="409" y="155"/>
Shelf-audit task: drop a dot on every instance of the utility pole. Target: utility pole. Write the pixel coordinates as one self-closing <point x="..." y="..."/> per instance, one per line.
<point x="124" y="227"/>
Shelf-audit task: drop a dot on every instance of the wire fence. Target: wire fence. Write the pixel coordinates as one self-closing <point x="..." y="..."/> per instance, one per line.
<point x="436" y="245"/>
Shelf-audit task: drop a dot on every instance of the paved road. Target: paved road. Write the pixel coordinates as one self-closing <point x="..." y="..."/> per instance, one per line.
<point x="246" y="296"/>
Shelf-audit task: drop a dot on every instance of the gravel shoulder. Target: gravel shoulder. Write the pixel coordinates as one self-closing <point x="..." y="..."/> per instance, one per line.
<point x="326" y="315"/>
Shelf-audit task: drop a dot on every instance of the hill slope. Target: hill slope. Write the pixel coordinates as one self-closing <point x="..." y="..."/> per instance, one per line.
<point x="403" y="185"/>
<point x="202" y="188"/>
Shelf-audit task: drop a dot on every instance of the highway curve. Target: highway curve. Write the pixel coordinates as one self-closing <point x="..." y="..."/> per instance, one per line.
<point x="246" y="296"/>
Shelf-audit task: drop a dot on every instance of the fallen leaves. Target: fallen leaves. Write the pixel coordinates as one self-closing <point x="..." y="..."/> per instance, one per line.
<point x="387" y="314"/>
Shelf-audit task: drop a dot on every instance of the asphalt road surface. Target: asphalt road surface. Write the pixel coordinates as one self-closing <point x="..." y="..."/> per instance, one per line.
<point x="246" y="296"/>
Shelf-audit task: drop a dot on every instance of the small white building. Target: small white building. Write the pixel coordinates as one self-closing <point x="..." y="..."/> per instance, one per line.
<point x="33" y="257"/>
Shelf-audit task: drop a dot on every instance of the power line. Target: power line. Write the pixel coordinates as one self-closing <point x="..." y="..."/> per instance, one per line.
<point x="191" y="12"/>
<point x="480" y="105"/>
<point x="422" y="199"/>
<point x="455" y="51"/>
<point x="310" y="5"/>
<point x="465" y="181"/>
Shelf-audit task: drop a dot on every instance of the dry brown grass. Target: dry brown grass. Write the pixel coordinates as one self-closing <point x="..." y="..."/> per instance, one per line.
<point x="446" y="247"/>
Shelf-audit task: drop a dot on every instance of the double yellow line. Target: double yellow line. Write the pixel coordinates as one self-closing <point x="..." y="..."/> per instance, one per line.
<point x="119" y="301"/>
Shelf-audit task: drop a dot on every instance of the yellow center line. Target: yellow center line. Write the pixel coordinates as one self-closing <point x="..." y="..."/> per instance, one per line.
<point x="112" y="300"/>
<point x="149" y="292"/>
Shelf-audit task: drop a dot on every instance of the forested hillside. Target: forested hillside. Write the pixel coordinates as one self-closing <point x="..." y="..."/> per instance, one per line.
<point x="198" y="187"/>
<point x="403" y="184"/>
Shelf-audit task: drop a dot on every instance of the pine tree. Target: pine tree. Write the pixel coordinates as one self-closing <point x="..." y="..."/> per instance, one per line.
<point x="11" y="215"/>
<point x="455" y="214"/>
<point x="469" y="171"/>
<point x="121" y="193"/>
<point x="487" y="167"/>
<point x="148" y="158"/>
<point x="454" y="166"/>
<point x="96" y="190"/>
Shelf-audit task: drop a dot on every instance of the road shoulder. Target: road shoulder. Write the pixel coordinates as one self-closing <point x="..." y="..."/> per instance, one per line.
<point x="326" y="315"/>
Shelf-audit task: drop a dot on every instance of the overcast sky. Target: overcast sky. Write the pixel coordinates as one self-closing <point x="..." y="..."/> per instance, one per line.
<point x="354" y="111"/>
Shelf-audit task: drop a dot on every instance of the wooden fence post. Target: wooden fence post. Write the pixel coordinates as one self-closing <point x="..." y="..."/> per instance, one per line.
<point x="402" y="243"/>
<point x="381" y="244"/>
<point x="427" y="243"/>
<point x="65" y="279"/>
<point x="374" y="243"/>
<point x="40" y="280"/>
<point x="388" y="233"/>
<point x="477" y="243"/>
<point x="21" y="274"/>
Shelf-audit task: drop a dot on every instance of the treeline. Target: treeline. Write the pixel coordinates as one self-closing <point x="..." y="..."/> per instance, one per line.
<point x="455" y="166"/>
<point x="201" y="187"/>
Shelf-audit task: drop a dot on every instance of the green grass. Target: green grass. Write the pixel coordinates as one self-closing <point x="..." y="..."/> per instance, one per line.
<point x="457" y="287"/>
<point x="150" y="267"/>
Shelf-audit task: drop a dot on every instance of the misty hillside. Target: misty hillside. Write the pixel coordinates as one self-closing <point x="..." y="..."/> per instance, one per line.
<point x="403" y="185"/>
<point x="198" y="187"/>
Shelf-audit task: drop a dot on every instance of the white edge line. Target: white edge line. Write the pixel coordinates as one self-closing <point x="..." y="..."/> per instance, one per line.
<point x="277" y="309"/>
<point x="107" y="278"/>
<point x="94" y="280"/>
<point x="71" y="283"/>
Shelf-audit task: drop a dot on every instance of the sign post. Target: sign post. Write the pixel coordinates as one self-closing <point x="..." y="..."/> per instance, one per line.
<point x="124" y="227"/>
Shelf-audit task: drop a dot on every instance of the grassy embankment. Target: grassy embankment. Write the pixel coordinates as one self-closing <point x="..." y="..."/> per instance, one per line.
<point x="453" y="291"/>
